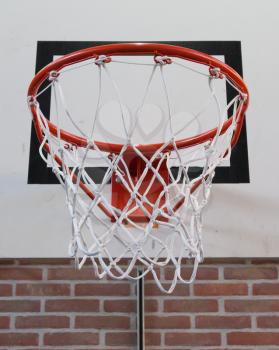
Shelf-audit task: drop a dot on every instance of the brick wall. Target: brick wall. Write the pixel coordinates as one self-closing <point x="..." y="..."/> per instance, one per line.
<point x="47" y="304"/>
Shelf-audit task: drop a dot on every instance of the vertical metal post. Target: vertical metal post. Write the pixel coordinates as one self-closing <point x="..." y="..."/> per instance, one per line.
<point x="140" y="312"/>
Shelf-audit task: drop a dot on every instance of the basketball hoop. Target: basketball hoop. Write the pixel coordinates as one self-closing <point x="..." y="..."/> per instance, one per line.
<point x="151" y="213"/>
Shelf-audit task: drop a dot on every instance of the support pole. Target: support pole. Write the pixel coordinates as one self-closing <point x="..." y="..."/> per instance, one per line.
<point x="140" y="312"/>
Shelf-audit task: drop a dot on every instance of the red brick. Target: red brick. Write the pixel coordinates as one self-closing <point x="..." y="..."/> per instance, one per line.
<point x="150" y="305"/>
<point x="152" y="339"/>
<point x="191" y="305"/>
<point x="193" y="339"/>
<point x="224" y="261"/>
<point x="203" y="273"/>
<point x="268" y="322"/>
<point x="149" y="275"/>
<point x="45" y="261"/>
<point x="103" y="289"/>
<point x="5" y="290"/>
<point x="212" y="289"/>
<point x="265" y="261"/>
<point x="223" y="348"/>
<point x="121" y="339"/>
<point x="252" y="305"/>
<point x="4" y="322"/>
<point x="71" y="338"/>
<point x="72" y="305"/>
<point x="250" y="273"/>
<point x="19" y="306"/>
<point x="151" y="289"/>
<point x="253" y="338"/>
<point x="223" y="322"/>
<point x="18" y="339"/>
<point x="133" y="273"/>
<point x="266" y="289"/>
<point x="113" y="348"/>
<point x="102" y="322"/>
<point x="6" y="262"/>
<point x="89" y="348"/>
<point x="120" y="305"/>
<point x="42" y="322"/>
<point x="167" y="322"/>
<point x="42" y="289"/>
<point x="71" y="274"/>
<point x="18" y="273"/>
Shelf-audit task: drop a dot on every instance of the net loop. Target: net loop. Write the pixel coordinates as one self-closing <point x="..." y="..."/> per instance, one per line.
<point x="216" y="73"/>
<point x="162" y="59"/>
<point x="101" y="60"/>
<point x="53" y="76"/>
<point x="32" y="101"/>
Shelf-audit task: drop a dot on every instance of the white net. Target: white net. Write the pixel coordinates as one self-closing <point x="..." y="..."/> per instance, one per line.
<point x="147" y="206"/>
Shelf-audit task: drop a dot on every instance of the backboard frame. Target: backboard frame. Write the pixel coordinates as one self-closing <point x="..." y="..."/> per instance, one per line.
<point x="238" y="172"/>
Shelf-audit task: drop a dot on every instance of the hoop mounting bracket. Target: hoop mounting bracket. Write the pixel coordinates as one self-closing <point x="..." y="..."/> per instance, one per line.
<point x="121" y="195"/>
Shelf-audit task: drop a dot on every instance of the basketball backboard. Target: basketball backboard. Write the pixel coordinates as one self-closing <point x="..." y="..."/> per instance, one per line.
<point x="241" y="218"/>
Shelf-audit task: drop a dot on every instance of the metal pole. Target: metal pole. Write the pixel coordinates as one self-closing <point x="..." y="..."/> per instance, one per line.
<point x="140" y="312"/>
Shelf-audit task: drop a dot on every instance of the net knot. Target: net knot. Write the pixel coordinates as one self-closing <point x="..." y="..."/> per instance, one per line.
<point x="53" y="75"/>
<point x="31" y="100"/>
<point x="97" y="193"/>
<point x="136" y="247"/>
<point x="156" y="213"/>
<point x="90" y="144"/>
<point x="133" y="195"/>
<point x="243" y="97"/>
<point x="162" y="59"/>
<point x="101" y="60"/>
<point x="216" y="73"/>
<point x="68" y="147"/>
